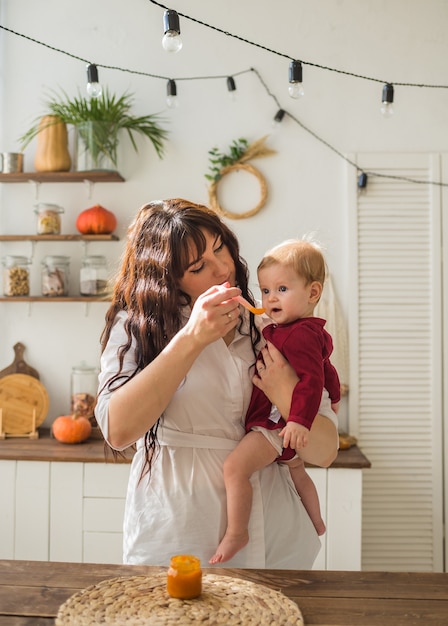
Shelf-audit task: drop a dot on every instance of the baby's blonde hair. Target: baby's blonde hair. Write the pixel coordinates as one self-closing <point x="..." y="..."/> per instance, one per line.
<point x="304" y="256"/>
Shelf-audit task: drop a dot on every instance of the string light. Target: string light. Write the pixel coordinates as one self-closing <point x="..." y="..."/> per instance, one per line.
<point x="171" y="94"/>
<point x="295" y="80"/>
<point x="94" y="88"/>
<point x="171" y="41"/>
<point x="280" y="113"/>
<point x="278" y="118"/>
<point x="387" y="100"/>
<point x="362" y="181"/>
<point x="231" y="86"/>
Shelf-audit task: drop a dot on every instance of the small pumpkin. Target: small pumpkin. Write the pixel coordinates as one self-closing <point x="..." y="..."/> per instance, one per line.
<point x="52" y="153"/>
<point x="96" y="221"/>
<point x="71" y="428"/>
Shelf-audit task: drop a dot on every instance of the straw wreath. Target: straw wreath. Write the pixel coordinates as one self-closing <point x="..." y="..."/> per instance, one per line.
<point x="240" y="152"/>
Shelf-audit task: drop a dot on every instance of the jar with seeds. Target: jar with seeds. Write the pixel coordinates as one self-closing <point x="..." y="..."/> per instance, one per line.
<point x="16" y="275"/>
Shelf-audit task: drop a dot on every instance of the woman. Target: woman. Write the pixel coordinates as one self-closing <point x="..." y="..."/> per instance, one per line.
<point x="176" y="379"/>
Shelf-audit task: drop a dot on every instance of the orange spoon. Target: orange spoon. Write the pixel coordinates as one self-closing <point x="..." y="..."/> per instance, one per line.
<point x="247" y="305"/>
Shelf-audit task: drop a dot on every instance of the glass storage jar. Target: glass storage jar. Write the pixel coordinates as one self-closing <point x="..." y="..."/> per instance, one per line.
<point x="84" y="385"/>
<point x="48" y="218"/>
<point x="16" y="275"/>
<point x="55" y="274"/>
<point x="93" y="276"/>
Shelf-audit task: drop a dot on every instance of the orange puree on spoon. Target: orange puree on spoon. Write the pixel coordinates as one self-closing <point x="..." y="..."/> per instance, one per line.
<point x="247" y="305"/>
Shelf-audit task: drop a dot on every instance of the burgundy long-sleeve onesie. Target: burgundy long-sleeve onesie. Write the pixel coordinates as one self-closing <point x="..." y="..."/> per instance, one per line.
<point x="307" y="346"/>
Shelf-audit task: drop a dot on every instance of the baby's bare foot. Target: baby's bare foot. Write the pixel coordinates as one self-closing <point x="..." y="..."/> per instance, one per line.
<point x="320" y="527"/>
<point x="229" y="546"/>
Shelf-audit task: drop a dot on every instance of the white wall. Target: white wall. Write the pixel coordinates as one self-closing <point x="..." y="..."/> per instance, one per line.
<point x="401" y="41"/>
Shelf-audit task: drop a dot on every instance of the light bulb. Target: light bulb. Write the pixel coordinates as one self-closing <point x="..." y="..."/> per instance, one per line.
<point x="295" y="88"/>
<point x="171" y="41"/>
<point x="387" y="100"/>
<point x="171" y="94"/>
<point x="94" y="89"/>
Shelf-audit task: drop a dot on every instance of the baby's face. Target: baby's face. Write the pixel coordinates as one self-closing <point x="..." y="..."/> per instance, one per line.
<point x="285" y="295"/>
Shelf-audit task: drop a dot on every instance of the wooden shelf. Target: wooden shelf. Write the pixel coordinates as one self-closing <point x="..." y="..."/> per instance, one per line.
<point x="59" y="238"/>
<point x="52" y="299"/>
<point x="92" y="176"/>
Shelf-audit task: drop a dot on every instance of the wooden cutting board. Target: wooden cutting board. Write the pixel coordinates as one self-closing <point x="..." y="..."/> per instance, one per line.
<point x="18" y="366"/>
<point x="23" y="403"/>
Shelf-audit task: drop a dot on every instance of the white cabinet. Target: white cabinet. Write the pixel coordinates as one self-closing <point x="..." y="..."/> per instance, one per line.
<point x="73" y="512"/>
<point x="58" y="511"/>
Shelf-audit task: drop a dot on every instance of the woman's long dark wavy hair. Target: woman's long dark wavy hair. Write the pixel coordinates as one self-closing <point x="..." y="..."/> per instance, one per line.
<point x="156" y="256"/>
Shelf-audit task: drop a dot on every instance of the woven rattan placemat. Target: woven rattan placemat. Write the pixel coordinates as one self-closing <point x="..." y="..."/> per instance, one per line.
<point x="137" y="600"/>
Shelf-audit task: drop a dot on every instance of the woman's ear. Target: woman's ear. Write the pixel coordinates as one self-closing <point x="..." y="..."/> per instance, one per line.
<point x="315" y="292"/>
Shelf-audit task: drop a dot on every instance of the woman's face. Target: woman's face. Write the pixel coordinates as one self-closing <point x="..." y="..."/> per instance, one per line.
<point x="214" y="267"/>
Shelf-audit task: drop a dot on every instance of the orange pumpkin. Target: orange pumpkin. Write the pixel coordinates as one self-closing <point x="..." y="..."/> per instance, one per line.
<point x="71" y="429"/>
<point x="96" y="221"/>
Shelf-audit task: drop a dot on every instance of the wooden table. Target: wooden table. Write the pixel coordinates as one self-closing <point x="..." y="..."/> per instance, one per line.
<point x="31" y="592"/>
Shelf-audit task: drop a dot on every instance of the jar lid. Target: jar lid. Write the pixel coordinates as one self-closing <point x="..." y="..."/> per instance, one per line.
<point x="94" y="259"/>
<point x="56" y="260"/>
<point x="10" y="260"/>
<point x="84" y="368"/>
<point x="44" y="206"/>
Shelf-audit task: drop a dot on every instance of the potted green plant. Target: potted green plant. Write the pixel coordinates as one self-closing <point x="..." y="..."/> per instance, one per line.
<point x="98" y="123"/>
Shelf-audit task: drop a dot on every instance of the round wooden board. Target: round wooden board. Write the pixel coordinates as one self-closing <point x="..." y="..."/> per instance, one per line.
<point x="20" y="394"/>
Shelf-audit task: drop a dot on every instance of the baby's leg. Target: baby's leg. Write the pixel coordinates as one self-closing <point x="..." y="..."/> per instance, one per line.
<point x="307" y="492"/>
<point x="323" y="441"/>
<point x="251" y="454"/>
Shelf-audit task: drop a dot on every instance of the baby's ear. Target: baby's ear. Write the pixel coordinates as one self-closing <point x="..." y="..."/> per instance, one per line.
<point x="315" y="292"/>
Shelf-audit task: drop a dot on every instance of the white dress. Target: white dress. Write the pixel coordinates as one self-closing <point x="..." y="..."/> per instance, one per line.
<point x="181" y="509"/>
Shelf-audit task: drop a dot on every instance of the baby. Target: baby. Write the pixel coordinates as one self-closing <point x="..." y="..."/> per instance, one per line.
<point x="291" y="278"/>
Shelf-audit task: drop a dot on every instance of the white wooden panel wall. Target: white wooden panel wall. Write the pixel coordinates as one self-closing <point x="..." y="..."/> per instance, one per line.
<point x="396" y="360"/>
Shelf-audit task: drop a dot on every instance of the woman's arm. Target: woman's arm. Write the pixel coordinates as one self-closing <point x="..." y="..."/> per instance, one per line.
<point x="278" y="381"/>
<point x="135" y="407"/>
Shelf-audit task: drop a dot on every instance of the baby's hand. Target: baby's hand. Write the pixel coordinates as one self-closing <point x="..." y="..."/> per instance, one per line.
<point x="294" y="435"/>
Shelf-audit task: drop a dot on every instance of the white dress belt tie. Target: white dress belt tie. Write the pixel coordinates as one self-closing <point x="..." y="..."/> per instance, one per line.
<point x="169" y="437"/>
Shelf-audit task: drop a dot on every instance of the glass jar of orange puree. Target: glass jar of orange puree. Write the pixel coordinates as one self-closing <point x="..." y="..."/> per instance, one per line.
<point x="184" y="579"/>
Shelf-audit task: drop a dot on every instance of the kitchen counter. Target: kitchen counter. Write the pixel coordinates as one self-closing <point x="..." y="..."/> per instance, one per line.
<point x="46" y="448"/>
<point x="31" y="592"/>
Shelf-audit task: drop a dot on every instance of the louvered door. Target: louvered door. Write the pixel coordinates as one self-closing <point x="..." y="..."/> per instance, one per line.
<point x="396" y="359"/>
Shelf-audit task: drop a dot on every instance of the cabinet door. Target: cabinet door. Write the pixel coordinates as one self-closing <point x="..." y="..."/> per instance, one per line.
<point x="66" y="507"/>
<point x="8" y="504"/>
<point x="319" y="477"/>
<point x="105" y="488"/>
<point x="31" y="541"/>
<point x="344" y="514"/>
